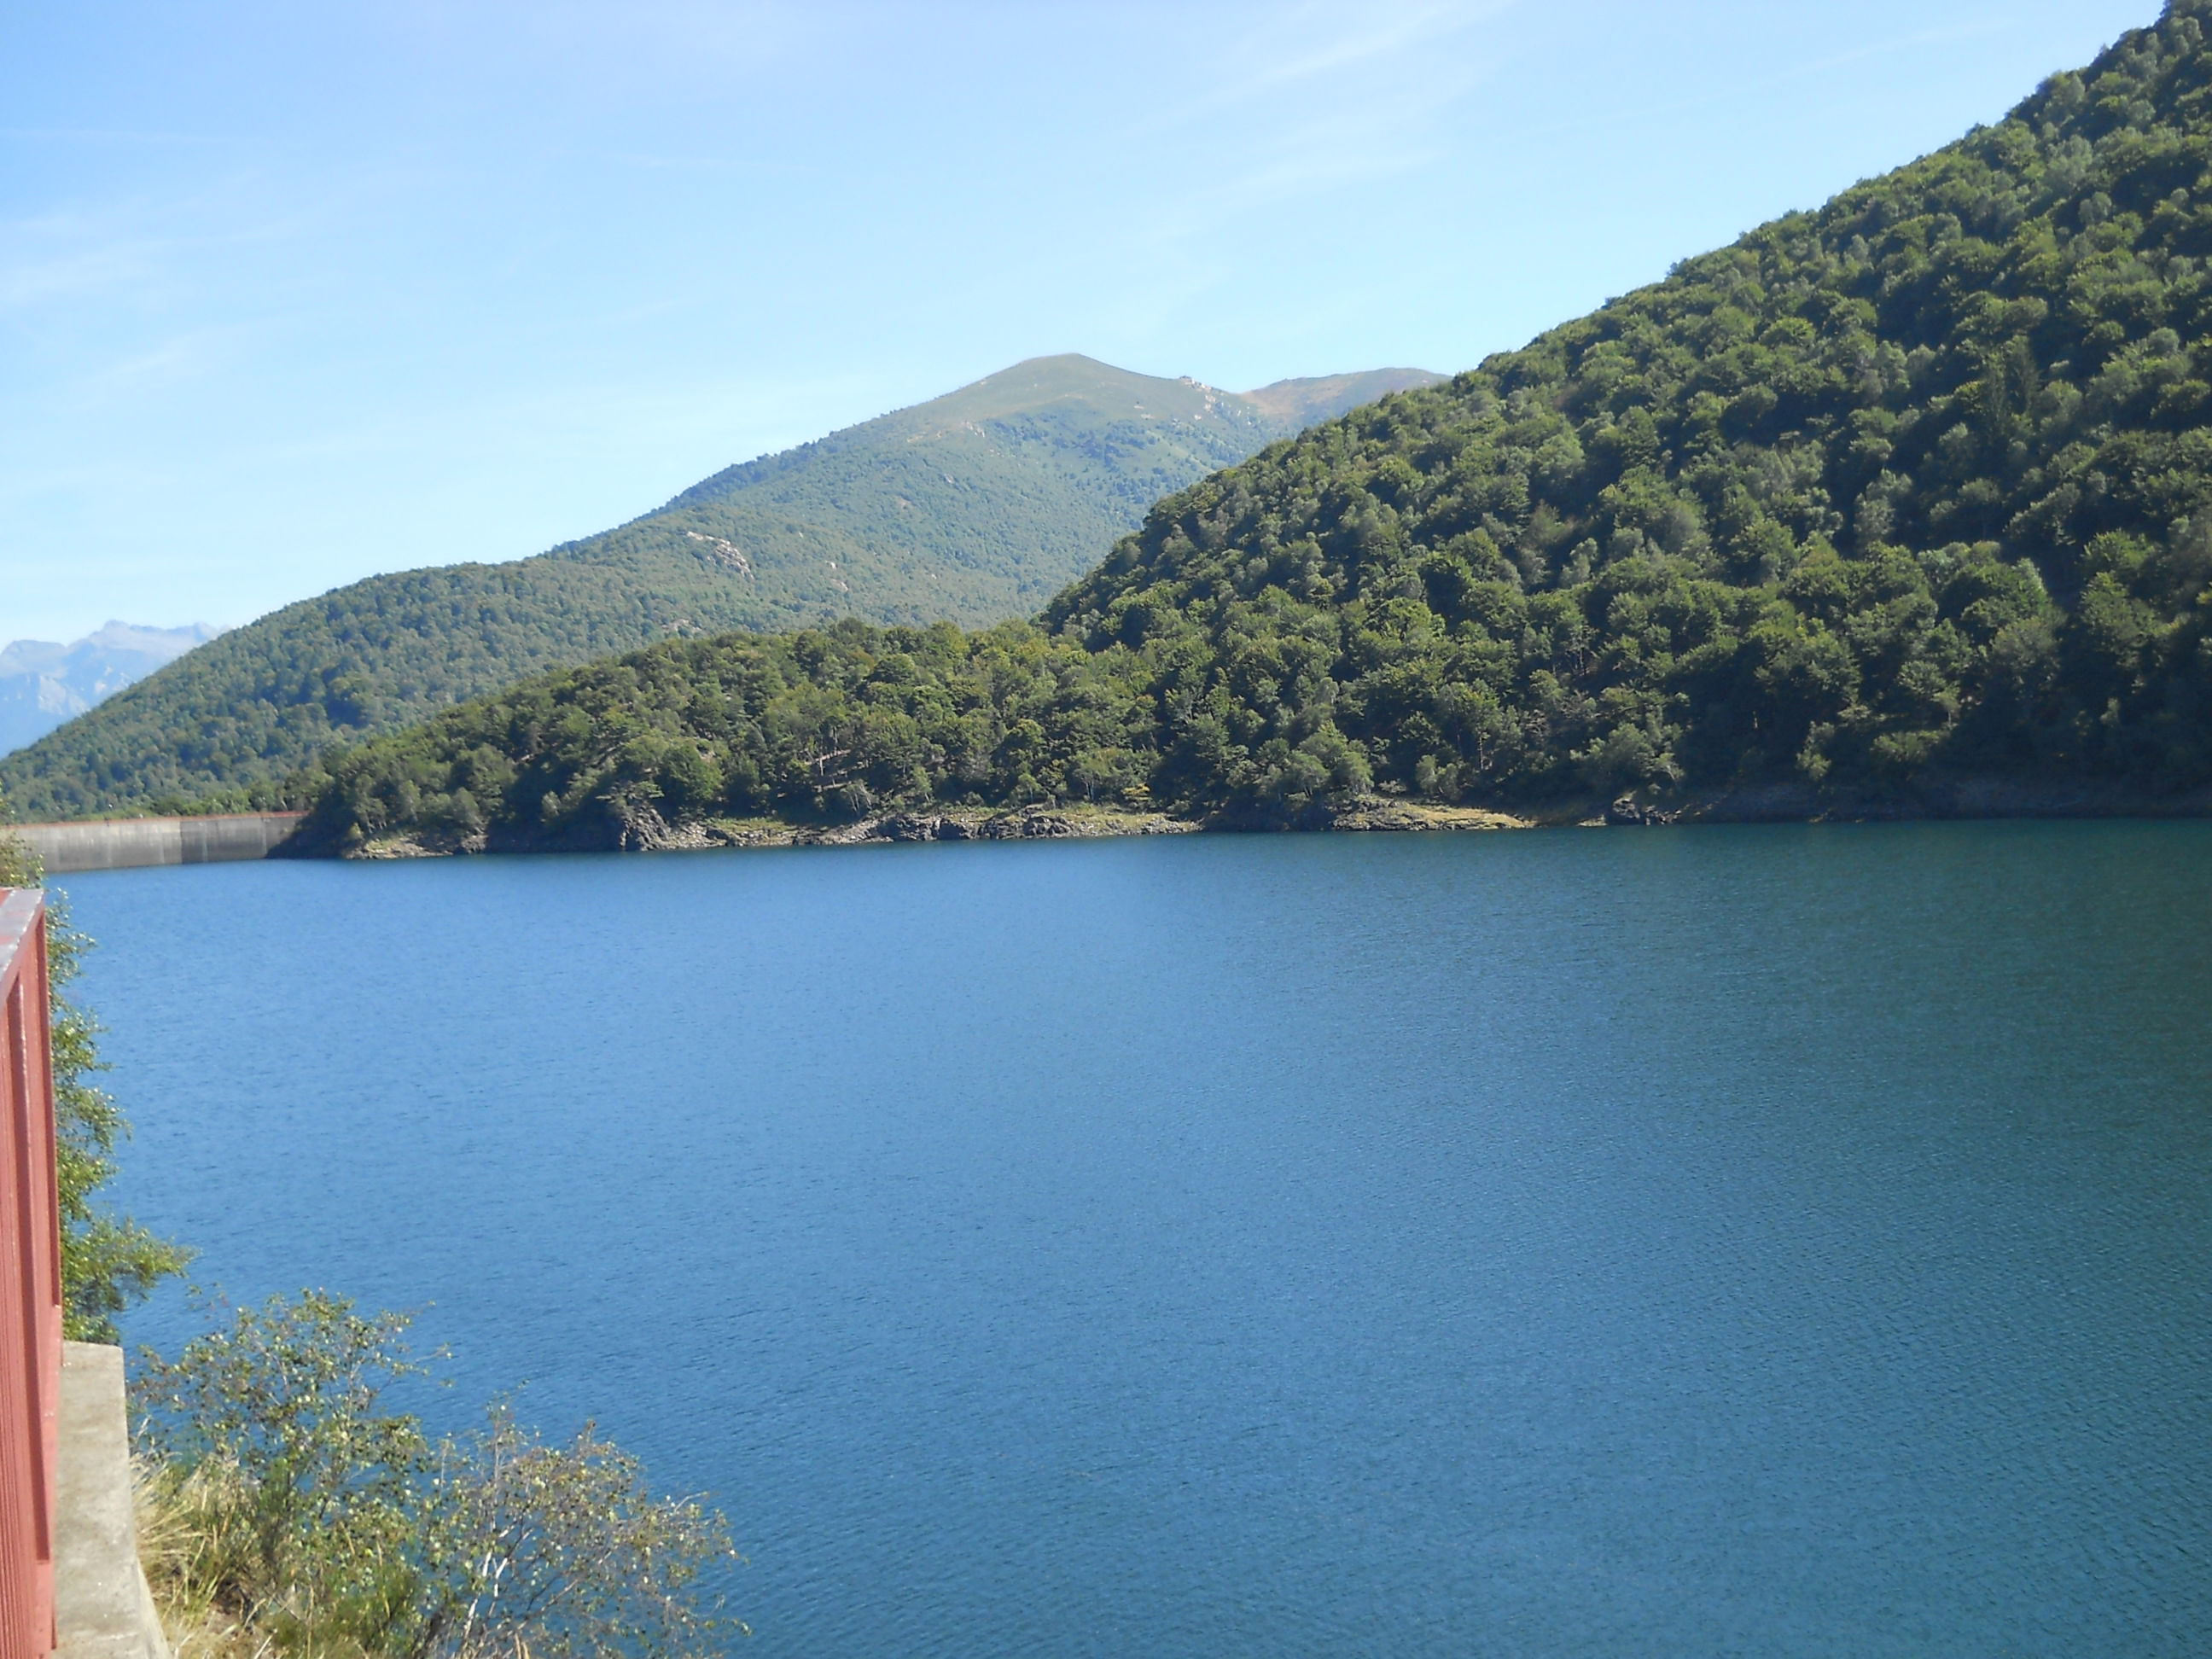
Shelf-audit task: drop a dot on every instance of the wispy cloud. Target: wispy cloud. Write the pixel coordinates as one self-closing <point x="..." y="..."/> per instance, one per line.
<point x="1312" y="41"/>
<point x="175" y="361"/>
<point x="1327" y="102"/>
<point x="142" y="241"/>
<point x="29" y="279"/>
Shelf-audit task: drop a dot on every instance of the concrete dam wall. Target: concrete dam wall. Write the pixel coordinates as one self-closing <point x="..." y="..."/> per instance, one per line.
<point x="124" y="843"/>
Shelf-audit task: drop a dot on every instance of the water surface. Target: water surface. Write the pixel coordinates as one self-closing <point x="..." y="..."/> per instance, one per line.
<point x="1783" y="1241"/>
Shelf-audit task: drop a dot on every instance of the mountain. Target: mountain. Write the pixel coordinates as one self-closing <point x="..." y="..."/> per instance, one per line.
<point x="1293" y="405"/>
<point x="1901" y="506"/>
<point x="975" y="506"/>
<point x="43" y="685"/>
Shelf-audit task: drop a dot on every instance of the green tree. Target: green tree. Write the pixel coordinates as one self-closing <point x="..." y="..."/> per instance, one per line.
<point x="108" y="1261"/>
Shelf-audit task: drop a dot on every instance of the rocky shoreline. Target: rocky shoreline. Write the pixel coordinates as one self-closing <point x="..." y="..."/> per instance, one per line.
<point x="647" y="832"/>
<point x="644" y="830"/>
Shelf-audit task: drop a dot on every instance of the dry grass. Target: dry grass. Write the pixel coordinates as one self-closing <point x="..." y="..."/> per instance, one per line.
<point x="198" y="1558"/>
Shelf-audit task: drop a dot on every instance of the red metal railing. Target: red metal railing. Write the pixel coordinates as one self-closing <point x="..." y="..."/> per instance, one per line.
<point x="30" y="1284"/>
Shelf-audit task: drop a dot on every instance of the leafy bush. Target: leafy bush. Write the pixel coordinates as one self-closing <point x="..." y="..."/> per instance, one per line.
<point x="287" y="1508"/>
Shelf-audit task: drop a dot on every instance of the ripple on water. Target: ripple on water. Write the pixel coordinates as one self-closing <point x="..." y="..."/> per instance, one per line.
<point x="1761" y="1240"/>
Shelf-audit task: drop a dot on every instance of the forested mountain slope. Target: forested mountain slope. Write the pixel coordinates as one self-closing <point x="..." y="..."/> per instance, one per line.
<point x="1911" y="489"/>
<point x="973" y="507"/>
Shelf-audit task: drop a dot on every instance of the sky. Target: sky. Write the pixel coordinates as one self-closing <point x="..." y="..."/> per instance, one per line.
<point x="291" y="295"/>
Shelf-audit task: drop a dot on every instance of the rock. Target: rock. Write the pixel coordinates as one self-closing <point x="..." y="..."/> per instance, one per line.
<point x="910" y="826"/>
<point x="1625" y="810"/>
<point x="639" y="828"/>
<point x="1030" y="823"/>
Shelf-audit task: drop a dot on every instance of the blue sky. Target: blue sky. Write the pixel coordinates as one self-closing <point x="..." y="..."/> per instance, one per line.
<point x="293" y="293"/>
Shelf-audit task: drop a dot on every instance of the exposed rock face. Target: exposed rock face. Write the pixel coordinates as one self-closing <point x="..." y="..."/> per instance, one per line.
<point x="1022" y="824"/>
<point x="640" y="828"/>
<point x="1030" y="822"/>
<point x="1625" y="810"/>
<point x="1377" y="814"/>
<point x="918" y="826"/>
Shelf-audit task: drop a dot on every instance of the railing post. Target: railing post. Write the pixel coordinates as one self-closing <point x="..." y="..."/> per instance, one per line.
<point x="30" y="1284"/>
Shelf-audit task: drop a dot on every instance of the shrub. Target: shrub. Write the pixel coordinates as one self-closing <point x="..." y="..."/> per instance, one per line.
<point x="288" y="1510"/>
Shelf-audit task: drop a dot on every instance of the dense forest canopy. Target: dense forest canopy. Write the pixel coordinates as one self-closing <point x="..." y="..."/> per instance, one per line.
<point x="1917" y="485"/>
<point x="976" y="506"/>
<point x="1918" y="480"/>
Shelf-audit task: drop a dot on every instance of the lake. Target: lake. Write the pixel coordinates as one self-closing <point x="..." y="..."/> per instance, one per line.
<point x="1764" y="1241"/>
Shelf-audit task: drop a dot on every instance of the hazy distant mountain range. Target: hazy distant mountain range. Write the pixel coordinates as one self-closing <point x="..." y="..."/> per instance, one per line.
<point x="975" y="507"/>
<point x="43" y="684"/>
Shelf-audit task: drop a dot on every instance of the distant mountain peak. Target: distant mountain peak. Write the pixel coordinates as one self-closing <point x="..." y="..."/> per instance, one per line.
<point x="1069" y="384"/>
<point x="43" y="684"/>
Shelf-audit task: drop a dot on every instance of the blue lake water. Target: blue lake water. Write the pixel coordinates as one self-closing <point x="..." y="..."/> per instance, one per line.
<point x="1764" y="1241"/>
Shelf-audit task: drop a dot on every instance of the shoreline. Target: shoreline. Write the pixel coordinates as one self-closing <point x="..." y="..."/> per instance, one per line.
<point x="953" y="824"/>
<point x="1964" y="799"/>
<point x="643" y="829"/>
